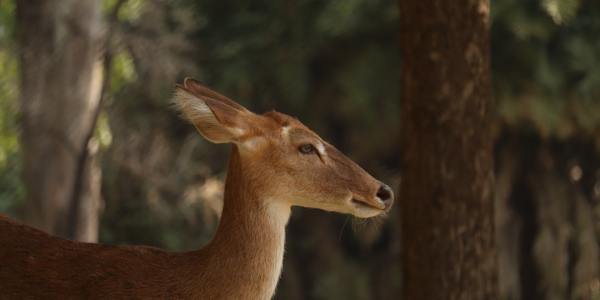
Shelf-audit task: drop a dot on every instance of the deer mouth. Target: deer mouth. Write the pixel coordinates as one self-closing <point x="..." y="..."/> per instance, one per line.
<point x="364" y="204"/>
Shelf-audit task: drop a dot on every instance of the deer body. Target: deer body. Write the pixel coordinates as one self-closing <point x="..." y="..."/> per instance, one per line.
<point x="266" y="176"/>
<point x="243" y="261"/>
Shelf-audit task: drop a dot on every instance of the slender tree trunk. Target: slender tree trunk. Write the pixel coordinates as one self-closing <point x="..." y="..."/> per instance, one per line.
<point x="61" y="72"/>
<point x="447" y="189"/>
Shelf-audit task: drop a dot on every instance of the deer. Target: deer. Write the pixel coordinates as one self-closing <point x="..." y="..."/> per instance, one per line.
<point x="275" y="163"/>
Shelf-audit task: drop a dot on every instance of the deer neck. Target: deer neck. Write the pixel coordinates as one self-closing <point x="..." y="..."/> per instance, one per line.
<point x="246" y="255"/>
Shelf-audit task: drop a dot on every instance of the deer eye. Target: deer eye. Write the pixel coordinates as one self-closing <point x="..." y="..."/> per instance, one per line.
<point x="307" y="149"/>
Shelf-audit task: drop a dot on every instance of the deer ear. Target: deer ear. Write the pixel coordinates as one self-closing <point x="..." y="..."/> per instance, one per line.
<point x="217" y="120"/>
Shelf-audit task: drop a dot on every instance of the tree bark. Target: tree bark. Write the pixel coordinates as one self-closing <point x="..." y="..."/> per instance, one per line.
<point x="447" y="189"/>
<point x="60" y="83"/>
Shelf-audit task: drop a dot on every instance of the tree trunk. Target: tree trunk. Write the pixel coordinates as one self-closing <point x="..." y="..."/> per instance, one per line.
<point x="447" y="189"/>
<point x="61" y="72"/>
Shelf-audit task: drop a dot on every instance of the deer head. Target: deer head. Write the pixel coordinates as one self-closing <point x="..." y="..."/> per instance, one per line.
<point x="283" y="158"/>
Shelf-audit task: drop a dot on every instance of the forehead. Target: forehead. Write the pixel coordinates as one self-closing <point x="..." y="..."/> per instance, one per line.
<point x="281" y="119"/>
<point x="293" y="126"/>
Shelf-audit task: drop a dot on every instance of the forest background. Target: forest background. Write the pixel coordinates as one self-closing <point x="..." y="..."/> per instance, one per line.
<point x="148" y="178"/>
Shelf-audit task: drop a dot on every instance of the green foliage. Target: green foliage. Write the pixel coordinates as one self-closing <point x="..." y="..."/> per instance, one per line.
<point x="320" y="60"/>
<point x="561" y="11"/>
<point x="122" y="72"/>
<point x="131" y="9"/>
<point x="351" y="17"/>
<point x="12" y="191"/>
<point x="8" y="137"/>
<point x="7" y="22"/>
<point x="103" y="133"/>
<point x="546" y="65"/>
<point x="11" y="187"/>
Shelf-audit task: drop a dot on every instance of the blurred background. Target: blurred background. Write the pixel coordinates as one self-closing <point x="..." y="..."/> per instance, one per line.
<point x="86" y="85"/>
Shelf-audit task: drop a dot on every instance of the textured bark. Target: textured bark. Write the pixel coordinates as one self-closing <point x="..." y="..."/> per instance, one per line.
<point x="447" y="190"/>
<point x="60" y="90"/>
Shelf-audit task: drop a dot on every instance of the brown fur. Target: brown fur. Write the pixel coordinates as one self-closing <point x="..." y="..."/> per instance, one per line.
<point x="266" y="176"/>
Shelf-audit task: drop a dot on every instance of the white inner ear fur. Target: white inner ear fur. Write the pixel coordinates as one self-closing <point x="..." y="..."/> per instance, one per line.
<point x="197" y="112"/>
<point x="193" y="109"/>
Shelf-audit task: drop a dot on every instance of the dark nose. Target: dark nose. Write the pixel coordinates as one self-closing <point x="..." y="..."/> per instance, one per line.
<point x="386" y="195"/>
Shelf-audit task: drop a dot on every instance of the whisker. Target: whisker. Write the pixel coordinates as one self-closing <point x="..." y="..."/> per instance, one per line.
<point x="369" y="224"/>
<point x="343" y="226"/>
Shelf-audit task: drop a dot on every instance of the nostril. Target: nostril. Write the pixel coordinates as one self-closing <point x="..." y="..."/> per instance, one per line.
<point x="385" y="194"/>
